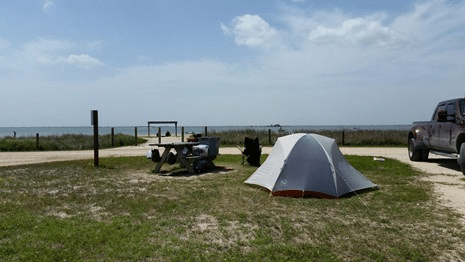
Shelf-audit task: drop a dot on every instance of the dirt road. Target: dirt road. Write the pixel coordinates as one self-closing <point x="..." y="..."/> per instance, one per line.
<point x="448" y="181"/>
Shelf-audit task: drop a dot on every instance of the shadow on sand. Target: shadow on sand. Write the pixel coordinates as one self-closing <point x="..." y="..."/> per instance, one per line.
<point x="185" y="173"/>
<point x="447" y="163"/>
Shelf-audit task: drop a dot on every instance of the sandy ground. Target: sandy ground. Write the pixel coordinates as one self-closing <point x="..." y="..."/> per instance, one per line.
<point x="448" y="181"/>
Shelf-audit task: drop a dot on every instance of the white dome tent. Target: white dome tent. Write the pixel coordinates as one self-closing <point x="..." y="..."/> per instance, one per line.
<point x="308" y="164"/>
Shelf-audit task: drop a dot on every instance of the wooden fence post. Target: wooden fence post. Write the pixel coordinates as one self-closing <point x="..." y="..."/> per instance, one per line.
<point x="206" y="134"/>
<point x="159" y="135"/>
<point x="269" y="136"/>
<point x="37" y="141"/>
<point x="94" y="120"/>
<point x="182" y="134"/>
<point x="343" y="138"/>
<point x="135" y="135"/>
<point x="112" y="136"/>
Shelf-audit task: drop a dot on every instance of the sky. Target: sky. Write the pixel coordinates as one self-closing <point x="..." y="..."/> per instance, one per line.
<point x="222" y="62"/>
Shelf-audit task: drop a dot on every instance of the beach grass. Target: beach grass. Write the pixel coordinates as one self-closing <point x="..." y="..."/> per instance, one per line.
<point x="227" y="138"/>
<point x="65" y="142"/>
<point x="342" y="137"/>
<point x="122" y="211"/>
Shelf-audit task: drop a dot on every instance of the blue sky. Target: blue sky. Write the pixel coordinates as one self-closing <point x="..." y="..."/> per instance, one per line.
<point x="216" y="62"/>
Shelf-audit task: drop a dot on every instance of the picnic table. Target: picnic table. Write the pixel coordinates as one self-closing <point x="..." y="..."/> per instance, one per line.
<point x="186" y="158"/>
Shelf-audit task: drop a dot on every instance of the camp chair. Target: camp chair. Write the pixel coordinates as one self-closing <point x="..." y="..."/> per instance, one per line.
<point x="251" y="151"/>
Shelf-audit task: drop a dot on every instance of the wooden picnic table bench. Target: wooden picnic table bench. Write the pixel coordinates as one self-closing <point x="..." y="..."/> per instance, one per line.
<point x="186" y="159"/>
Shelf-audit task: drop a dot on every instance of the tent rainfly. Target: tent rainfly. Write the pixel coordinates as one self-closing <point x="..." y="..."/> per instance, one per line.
<point x="308" y="165"/>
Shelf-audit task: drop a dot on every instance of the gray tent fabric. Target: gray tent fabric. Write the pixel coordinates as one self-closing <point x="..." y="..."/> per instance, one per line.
<point x="308" y="164"/>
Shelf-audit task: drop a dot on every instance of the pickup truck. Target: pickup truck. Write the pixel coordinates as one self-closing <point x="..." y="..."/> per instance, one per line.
<point x="443" y="135"/>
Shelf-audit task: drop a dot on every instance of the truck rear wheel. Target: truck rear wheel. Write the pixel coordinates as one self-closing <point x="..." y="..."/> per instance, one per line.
<point x="461" y="159"/>
<point x="416" y="154"/>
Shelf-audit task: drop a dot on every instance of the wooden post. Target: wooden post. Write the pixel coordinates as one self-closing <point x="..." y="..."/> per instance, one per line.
<point x="135" y="135"/>
<point x="37" y="141"/>
<point x="159" y="135"/>
<point x="343" y="138"/>
<point x="182" y="134"/>
<point x="112" y="136"/>
<point x="206" y="133"/>
<point x="148" y="129"/>
<point x="269" y="136"/>
<point x="95" y="124"/>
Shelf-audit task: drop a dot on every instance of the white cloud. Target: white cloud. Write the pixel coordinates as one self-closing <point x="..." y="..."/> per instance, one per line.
<point x="317" y="28"/>
<point x="434" y="24"/>
<point x="250" y="30"/>
<point x="49" y="52"/>
<point x="38" y="52"/>
<point x="82" y="61"/>
<point x="48" y="6"/>
<point x="4" y="43"/>
<point x="47" y="46"/>
<point x="358" y="31"/>
<point x="143" y="58"/>
<point x="95" y="45"/>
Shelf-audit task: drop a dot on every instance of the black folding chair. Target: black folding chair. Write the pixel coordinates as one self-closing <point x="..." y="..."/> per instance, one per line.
<point x="252" y="151"/>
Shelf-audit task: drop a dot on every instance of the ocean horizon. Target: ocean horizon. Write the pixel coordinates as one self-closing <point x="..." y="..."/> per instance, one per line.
<point x="143" y="130"/>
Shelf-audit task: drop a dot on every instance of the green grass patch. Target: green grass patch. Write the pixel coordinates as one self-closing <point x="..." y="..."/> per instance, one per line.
<point x="123" y="211"/>
<point x="65" y="142"/>
<point x="348" y="138"/>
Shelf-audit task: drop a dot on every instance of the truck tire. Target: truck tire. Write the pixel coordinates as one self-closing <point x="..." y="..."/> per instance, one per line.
<point x="424" y="154"/>
<point x="461" y="159"/>
<point x="413" y="153"/>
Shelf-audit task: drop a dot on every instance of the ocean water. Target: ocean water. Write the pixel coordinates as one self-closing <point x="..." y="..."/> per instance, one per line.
<point x="143" y="130"/>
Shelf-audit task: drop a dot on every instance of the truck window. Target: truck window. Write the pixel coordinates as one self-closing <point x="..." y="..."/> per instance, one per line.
<point x="441" y="114"/>
<point x="462" y="107"/>
<point x="450" y="112"/>
<point x="450" y="109"/>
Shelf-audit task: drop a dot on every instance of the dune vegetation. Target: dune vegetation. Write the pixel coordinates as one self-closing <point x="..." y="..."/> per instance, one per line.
<point x="65" y="142"/>
<point x="346" y="137"/>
